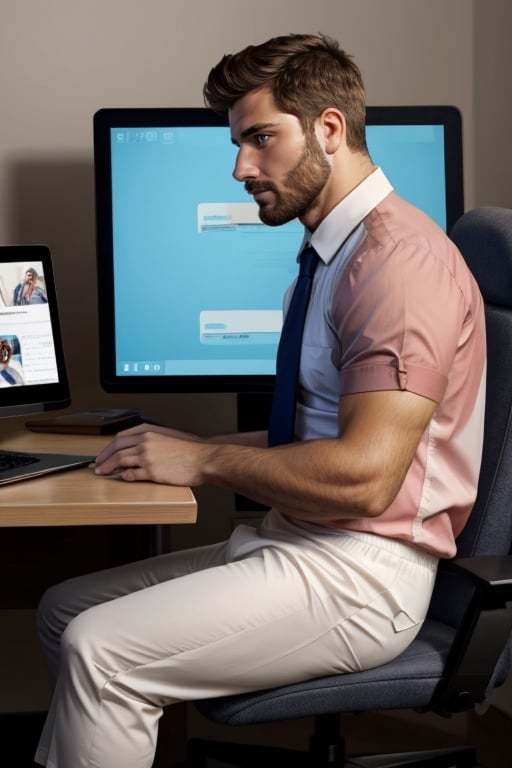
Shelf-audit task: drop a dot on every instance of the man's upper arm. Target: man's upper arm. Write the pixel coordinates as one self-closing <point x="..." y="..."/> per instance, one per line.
<point x="384" y="428"/>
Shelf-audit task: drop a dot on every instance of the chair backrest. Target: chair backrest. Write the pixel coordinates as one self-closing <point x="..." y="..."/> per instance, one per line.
<point x="484" y="237"/>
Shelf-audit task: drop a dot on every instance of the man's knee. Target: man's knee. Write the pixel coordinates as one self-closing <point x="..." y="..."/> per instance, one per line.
<point x="80" y="637"/>
<point x="49" y="618"/>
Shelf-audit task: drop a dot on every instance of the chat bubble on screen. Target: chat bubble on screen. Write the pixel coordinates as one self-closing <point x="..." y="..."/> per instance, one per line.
<point x="240" y="326"/>
<point x="227" y="217"/>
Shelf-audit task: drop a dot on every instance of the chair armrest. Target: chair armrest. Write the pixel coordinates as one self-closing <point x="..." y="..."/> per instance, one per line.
<point x="482" y="634"/>
<point x="492" y="573"/>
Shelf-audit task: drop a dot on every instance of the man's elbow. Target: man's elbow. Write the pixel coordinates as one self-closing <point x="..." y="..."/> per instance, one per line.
<point x="374" y="499"/>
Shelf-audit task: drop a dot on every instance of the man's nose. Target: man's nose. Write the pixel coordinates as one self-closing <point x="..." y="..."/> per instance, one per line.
<point x="245" y="167"/>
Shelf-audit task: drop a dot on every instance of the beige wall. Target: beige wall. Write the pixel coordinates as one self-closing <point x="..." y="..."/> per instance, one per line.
<point x="61" y="60"/>
<point x="492" y="68"/>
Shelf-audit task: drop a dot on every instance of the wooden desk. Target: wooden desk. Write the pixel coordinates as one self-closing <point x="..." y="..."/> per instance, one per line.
<point x="78" y="496"/>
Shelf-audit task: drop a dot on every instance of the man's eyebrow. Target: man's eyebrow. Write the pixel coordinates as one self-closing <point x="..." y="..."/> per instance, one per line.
<point x="254" y="129"/>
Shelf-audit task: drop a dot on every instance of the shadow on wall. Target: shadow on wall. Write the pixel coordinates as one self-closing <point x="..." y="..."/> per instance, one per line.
<point x="51" y="201"/>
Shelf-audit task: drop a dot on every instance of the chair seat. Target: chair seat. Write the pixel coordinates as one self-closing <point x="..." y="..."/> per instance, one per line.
<point x="418" y="670"/>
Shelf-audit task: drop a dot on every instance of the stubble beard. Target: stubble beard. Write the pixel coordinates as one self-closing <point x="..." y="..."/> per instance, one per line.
<point x="300" y="189"/>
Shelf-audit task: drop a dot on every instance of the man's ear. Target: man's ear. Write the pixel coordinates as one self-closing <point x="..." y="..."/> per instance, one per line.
<point x="332" y="129"/>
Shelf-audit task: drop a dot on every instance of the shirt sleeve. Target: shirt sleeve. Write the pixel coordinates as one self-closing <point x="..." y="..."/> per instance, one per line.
<point x="399" y="312"/>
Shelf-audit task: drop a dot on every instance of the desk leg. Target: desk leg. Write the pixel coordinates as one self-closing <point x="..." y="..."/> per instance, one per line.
<point x="150" y="541"/>
<point x="171" y="747"/>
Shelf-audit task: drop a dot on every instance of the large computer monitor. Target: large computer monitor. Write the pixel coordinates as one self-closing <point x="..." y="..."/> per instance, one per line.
<point x="190" y="281"/>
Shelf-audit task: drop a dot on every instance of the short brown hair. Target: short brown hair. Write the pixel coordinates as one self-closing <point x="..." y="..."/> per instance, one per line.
<point x="306" y="74"/>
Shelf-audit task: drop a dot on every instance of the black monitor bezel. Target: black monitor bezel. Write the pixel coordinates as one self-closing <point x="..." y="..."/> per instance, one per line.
<point x="118" y="117"/>
<point x="37" y="398"/>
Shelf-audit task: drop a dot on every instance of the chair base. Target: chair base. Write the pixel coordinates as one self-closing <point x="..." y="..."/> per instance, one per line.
<point x="216" y="754"/>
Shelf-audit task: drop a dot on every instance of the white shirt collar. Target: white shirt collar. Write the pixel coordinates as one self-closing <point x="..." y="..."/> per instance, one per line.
<point x="347" y="214"/>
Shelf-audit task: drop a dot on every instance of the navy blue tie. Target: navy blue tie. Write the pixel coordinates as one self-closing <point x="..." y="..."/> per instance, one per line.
<point x="282" y="417"/>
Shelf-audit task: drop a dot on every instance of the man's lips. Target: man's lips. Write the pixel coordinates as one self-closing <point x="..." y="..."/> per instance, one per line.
<point x="257" y="186"/>
<point x="258" y="192"/>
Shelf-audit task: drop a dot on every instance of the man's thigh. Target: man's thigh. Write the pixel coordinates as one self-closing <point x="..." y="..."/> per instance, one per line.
<point x="279" y="610"/>
<point x="75" y="595"/>
<point x="239" y="626"/>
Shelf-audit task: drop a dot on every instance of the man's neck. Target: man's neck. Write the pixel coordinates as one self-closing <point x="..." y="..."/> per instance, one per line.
<point x="347" y="173"/>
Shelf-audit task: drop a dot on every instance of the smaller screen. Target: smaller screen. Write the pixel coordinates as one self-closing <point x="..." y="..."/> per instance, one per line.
<point x="32" y="371"/>
<point x="26" y="340"/>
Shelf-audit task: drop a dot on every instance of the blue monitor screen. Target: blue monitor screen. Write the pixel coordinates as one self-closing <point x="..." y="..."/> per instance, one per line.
<point x="190" y="281"/>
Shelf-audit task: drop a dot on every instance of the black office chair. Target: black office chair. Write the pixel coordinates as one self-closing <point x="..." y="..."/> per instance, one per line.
<point x="463" y="650"/>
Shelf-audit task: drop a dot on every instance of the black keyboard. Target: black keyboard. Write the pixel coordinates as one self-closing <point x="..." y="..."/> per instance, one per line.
<point x="12" y="459"/>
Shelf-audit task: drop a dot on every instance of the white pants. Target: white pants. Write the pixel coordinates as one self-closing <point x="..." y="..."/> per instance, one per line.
<point x="269" y="607"/>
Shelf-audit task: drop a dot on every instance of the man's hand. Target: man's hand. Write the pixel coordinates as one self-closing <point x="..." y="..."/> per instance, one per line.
<point x="165" y="455"/>
<point x="149" y="452"/>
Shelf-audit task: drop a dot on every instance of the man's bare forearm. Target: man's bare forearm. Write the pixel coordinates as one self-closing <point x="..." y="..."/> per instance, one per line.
<point x="255" y="439"/>
<point x="307" y="480"/>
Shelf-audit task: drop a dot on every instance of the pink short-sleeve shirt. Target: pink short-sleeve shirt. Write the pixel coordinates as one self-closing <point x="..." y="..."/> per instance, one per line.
<point x="395" y="307"/>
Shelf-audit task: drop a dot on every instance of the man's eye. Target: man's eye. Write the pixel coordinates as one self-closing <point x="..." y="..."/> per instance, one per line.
<point x="262" y="138"/>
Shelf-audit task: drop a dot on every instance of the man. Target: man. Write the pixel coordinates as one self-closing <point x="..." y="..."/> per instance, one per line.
<point x="28" y="292"/>
<point x="373" y="490"/>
